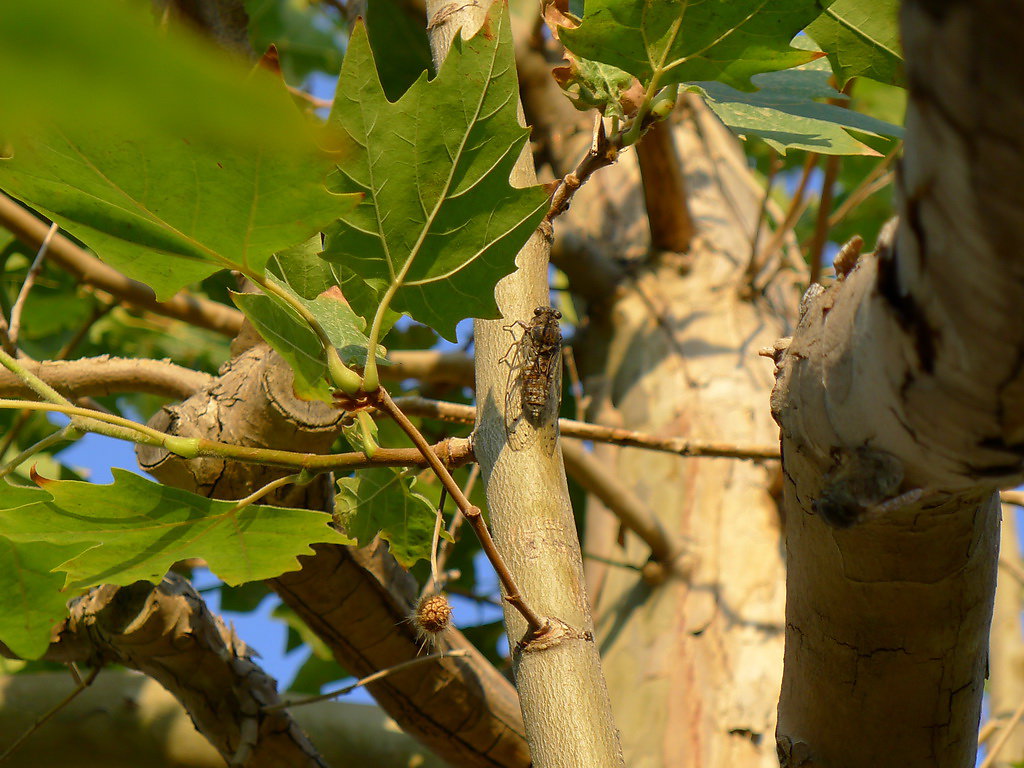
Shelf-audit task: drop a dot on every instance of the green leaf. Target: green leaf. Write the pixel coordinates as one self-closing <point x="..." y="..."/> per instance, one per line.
<point x="292" y="338"/>
<point x="862" y="39"/>
<point x="382" y="501"/>
<point x="677" y="41"/>
<point x="31" y="601"/>
<point x="439" y="223"/>
<point x="307" y="39"/>
<point x="134" y="529"/>
<point x="170" y="213"/>
<point x="592" y="85"/>
<point x="785" y="114"/>
<point x="107" y="65"/>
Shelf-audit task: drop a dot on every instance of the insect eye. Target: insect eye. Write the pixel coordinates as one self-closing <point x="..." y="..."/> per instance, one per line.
<point x="538" y="310"/>
<point x="558" y="315"/>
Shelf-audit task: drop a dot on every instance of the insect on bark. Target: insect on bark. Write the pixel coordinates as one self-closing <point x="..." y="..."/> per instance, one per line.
<point x="534" y="380"/>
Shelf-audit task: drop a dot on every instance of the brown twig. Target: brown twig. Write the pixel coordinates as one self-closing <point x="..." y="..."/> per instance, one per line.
<point x="80" y="685"/>
<point x="378" y="675"/>
<point x="755" y="238"/>
<point x="382" y="400"/>
<point x="870" y="184"/>
<point x="603" y="152"/>
<point x="597" y="479"/>
<point x="664" y="187"/>
<point x="190" y="309"/>
<point x="1004" y="737"/>
<point x="465" y="414"/>
<point x="1012" y="497"/>
<point x="30" y="279"/>
<point x="457" y="519"/>
<point x="816" y="248"/>
<point x="797" y="205"/>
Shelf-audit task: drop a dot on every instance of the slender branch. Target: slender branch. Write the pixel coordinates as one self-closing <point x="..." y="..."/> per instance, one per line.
<point x="817" y="245"/>
<point x="599" y="480"/>
<point x="755" y="239"/>
<point x="87" y="268"/>
<point x="382" y="400"/>
<point x="1004" y="737"/>
<point x="664" y="187"/>
<point x="603" y="152"/>
<point x="463" y="414"/>
<point x="30" y="279"/>
<point x="870" y="184"/>
<point x="797" y="205"/>
<point x="456" y="451"/>
<point x="104" y="375"/>
<point x="80" y="685"/>
<point x="62" y="435"/>
<point x="378" y="675"/>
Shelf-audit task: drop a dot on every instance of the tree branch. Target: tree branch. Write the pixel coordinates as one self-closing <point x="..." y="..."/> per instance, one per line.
<point x="664" y="187"/>
<point x="167" y="633"/>
<point x="90" y="270"/>
<point x="105" y="375"/>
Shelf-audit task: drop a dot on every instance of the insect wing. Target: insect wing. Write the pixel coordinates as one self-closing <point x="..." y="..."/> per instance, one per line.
<point x="519" y="358"/>
<point x="549" y="418"/>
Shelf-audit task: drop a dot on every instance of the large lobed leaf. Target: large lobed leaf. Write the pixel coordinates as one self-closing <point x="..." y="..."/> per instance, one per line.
<point x="862" y="39"/>
<point x="438" y="222"/>
<point x="677" y="41"/>
<point x="167" y="198"/>
<point x="128" y="531"/>
<point x="383" y="502"/>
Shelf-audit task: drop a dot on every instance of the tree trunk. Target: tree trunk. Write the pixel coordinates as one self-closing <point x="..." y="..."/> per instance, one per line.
<point x="900" y="406"/>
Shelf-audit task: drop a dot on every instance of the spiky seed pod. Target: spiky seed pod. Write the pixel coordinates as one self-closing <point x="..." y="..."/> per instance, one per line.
<point x="433" y="615"/>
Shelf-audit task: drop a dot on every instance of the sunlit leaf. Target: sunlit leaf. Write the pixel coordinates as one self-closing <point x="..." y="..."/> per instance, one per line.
<point x="382" y="501"/>
<point x="136" y="529"/>
<point x="862" y="39"/>
<point x="439" y="224"/>
<point x="677" y="41"/>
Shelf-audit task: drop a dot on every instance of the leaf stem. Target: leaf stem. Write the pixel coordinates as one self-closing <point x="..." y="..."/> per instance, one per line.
<point x="273" y="485"/>
<point x="371" y="379"/>
<point x="379" y="674"/>
<point x="65" y="434"/>
<point x="458" y="451"/>
<point x="382" y="400"/>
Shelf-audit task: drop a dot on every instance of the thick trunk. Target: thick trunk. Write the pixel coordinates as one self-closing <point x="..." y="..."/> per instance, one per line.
<point x="905" y="378"/>
<point x="693" y="662"/>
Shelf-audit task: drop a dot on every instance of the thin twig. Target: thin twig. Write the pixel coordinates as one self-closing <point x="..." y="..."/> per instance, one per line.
<point x="435" y="574"/>
<point x="456" y="451"/>
<point x="603" y="152"/>
<point x="867" y="186"/>
<point x="60" y="436"/>
<point x="797" y="205"/>
<point x="1013" y="569"/>
<point x="30" y="279"/>
<point x="575" y="384"/>
<point x="755" y="238"/>
<point x="457" y="519"/>
<point x="465" y="414"/>
<point x="1012" y="497"/>
<point x="599" y="480"/>
<point x="382" y="400"/>
<point x="65" y="254"/>
<point x="1004" y="737"/>
<point x="816" y="249"/>
<point x="378" y="675"/>
<point x="40" y="721"/>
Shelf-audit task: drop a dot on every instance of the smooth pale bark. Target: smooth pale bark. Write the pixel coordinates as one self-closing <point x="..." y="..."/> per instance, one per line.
<point x="916" y="354"/>
<point x="128" y="720"/>
<point x="564" y="699"/>
<point x="1006" y="649"/>
<point x="693" y="662"/>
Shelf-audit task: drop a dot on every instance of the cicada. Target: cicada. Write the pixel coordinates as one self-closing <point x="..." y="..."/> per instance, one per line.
<point x="534" y="387"/>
